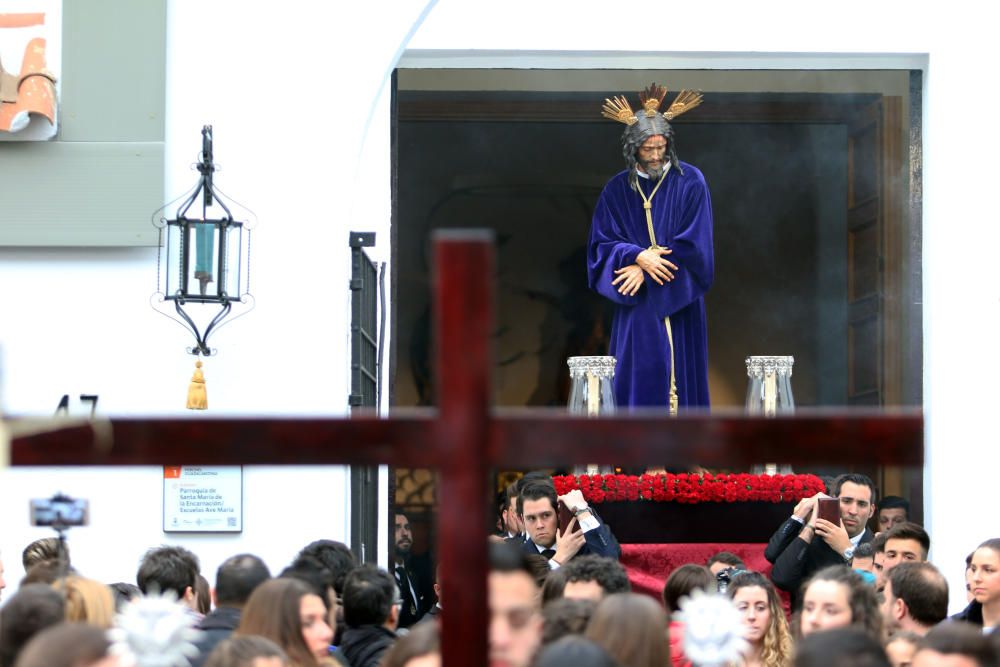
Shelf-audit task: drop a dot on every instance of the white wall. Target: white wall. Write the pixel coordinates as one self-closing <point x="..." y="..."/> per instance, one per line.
<point x="293" y="91"/>
<point x="316" y="166"/>
<point x="283" y="510"/>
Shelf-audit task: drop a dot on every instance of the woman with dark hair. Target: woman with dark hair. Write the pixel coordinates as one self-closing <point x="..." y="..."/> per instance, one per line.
<point x="632" y="628"/>
<point x="290" y="614"/>
<point x="680" y="584"/>
<point x="983" y="574"/>
<point x="203" y="595"/>
<point x="770" y="641"/>
<point x="837" y="597"/>
<point x="420" y="648"/>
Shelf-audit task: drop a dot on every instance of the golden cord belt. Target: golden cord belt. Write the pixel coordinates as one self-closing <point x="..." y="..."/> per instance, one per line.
<point x="647" y="204"/>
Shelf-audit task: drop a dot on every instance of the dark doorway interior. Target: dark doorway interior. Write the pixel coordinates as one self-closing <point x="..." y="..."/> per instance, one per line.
<point x="779" y="192"/>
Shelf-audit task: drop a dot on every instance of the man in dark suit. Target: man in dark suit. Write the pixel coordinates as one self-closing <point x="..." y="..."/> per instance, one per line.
<point x="413" y="576"/>
<point x="805" y="543"/>
<point x="538" y="506"/>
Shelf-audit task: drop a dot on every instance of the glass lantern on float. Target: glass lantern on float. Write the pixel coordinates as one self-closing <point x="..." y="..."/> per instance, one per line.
<point x="769" y="394"/>
<point x="591" y="393"/>
<point x="203" y="265"/>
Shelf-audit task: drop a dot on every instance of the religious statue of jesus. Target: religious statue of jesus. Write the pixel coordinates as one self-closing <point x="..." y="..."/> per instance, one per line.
<point x="650" y="254"/>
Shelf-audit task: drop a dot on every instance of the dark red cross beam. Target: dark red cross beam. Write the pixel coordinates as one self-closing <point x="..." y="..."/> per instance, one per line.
<point x="465" y="439"/>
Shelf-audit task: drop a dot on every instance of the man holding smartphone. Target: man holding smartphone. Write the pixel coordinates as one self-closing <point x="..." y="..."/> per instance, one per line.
<point x="819" y="534"/>
<point x="583" y="534"/>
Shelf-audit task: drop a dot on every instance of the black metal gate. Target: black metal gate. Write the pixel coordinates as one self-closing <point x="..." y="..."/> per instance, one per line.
<point x="365" y="395"/>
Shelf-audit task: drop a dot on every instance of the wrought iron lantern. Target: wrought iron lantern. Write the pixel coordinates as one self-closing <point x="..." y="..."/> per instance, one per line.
<point x="203" y="266"/>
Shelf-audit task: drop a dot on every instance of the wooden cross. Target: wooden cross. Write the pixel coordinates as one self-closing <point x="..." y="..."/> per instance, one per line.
<point x="465" y="439"/>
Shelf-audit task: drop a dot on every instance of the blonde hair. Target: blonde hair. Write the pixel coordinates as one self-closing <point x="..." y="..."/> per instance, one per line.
<point x="87" y="601"/>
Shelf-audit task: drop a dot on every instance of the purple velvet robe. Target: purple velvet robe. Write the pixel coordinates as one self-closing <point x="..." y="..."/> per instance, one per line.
<point x="682" y="221"/>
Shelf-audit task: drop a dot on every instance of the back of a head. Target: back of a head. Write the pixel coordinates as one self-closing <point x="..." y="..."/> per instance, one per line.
<point x="507" y="558"/>
<point x="554" y="586"/>
<point x="311" y="572"/>
<point x="124" y="593"/>
<point x="65" y="645"/>
<point x="574" y="651"/>
<point x="369" y="593"/>
<point x="632" y="629"/>
<point x="335" y="556"/>
<point x="32" y="609"/>
<point x="683" y="581"/>
<point x="47" y="548"/>
<point x="607" y="572"/>
<point x="864" y="550"/>
<point x="422" y="640"/>
<point x="924" y="590"/>
<point x="842" y="647"/>
<point x="168" y="568"/>
<point x="87" y="601"/>
<point x="243" y="651"/>
<point x="957" y="639"/>
<point x="237" y="578"/>
<point x="565" y="616"/>
<point x="44" y="572"/>
<point x="539" y="566"/>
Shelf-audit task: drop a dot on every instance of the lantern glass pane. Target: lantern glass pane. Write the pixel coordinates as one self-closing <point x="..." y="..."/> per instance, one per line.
<point x="234" y="260"/>
<point x="203" y="259"/>
<point x="175" y="258"/>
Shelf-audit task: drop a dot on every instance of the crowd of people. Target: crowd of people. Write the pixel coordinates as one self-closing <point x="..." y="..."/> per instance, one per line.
<point x="837" y="593"/>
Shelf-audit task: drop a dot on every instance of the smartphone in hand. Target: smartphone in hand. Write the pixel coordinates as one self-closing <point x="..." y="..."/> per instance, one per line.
<point x="565" y="516"/>
<point x="828" y="509"/>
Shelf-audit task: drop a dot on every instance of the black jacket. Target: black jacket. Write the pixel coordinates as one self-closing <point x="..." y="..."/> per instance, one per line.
<point x="215" y="627"/>
<point x="420" y="572"/>
<point x="794" y="560"/>
<point x="364" y="646"/>
<point x="971" y="614"/>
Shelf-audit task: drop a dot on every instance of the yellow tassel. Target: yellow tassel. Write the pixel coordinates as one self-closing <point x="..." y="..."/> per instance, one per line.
<point x="197" y="396"/>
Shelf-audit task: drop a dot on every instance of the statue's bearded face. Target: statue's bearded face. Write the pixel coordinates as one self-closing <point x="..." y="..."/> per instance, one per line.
<point x="652" y="156"/>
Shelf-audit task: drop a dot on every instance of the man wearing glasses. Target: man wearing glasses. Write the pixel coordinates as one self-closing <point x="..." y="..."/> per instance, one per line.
<point x="650" y="254"/>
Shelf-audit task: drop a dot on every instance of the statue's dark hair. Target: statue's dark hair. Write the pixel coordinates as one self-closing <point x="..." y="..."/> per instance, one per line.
<point x="636" y="133"/>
